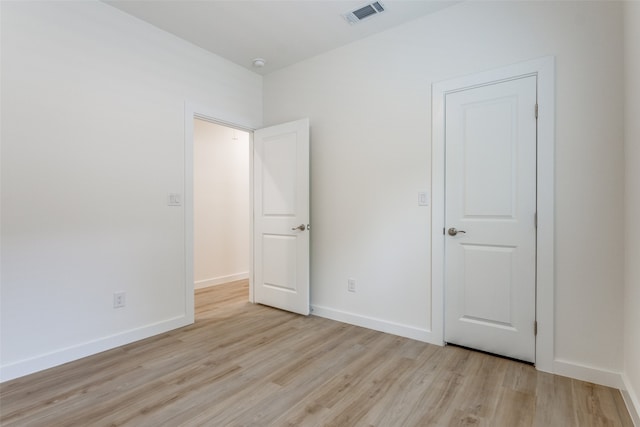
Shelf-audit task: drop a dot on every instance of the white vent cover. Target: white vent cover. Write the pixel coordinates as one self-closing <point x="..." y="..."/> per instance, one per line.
<point x="364" y="12"/>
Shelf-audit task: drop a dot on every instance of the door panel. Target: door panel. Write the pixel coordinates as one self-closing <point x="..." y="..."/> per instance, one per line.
<point x="490" y="195"/>
<point x="281" y="204"/>
<point x="275" y="272"/>
<point x="486" y="290"/>
<point x="279" y="175"/>
<point x="487" y="129"/>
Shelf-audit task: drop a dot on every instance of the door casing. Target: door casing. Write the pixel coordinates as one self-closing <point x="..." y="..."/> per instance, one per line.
<point x="544" y="70"/>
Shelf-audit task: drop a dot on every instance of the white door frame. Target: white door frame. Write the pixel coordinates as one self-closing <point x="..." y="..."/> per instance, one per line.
<point x="191" y="112"/>
<point x="544" y="69"/>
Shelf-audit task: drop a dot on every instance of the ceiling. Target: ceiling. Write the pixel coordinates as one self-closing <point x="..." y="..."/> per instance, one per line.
<point x="281" y="32"/>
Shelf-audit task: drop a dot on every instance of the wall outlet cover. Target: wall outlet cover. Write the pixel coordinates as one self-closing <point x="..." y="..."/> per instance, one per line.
<point x="119" y="299"/>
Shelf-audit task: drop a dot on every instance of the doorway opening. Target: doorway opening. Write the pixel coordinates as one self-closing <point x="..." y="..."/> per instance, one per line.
<point x="221" y="209"/>
<point x="270" y="166"/>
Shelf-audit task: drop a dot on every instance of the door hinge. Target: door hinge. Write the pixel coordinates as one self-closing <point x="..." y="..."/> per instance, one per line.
<point x="535" y="328"/>
<point x="443" y="232"/>
<point x="535" y="220"/>
<point x="536" y="111"/>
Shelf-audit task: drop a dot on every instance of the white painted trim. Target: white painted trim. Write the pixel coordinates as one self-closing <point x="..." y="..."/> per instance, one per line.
<point x="544" y="69"/>
<point x="252" y="297"/>
<point x="587" y="373"/>
<point x="219" y="117"/>
<point x="375" y="324"/>
<point x="69" y="354"/>
<point x="545" y="271"/>
<point x="631" y="400"/>
<point x="187" y="200"/>
<point x="437" y="212"/>
<point x="215" y="281"/>
<point x="191" y="112"/>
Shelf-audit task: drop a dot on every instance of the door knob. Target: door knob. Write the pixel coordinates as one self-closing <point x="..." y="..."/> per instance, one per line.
<point x="453" y="231"/>
<point x="301" y="227"/>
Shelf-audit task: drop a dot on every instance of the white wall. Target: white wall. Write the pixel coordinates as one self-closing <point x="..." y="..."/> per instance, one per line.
<point x="92" y="142"/>
<point x="370" y="109"/>
<point x="221" y="204"/>
<point x="632" y="206"/>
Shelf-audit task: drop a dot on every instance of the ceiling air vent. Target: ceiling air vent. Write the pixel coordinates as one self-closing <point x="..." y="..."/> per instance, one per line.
<point x="364" y="12"/>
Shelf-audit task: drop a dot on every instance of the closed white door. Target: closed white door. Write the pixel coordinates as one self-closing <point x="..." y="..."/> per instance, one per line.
<point x="281" y="216"/>
<point x="490" y="208"/>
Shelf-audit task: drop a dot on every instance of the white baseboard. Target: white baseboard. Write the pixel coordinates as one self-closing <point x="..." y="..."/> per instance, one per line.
<point x="214" y="281"/>
<point x="376" y="324"/>
<point x="61" y="356"/>
<point x="631" y="400"/>
<point x="588" y="373"/>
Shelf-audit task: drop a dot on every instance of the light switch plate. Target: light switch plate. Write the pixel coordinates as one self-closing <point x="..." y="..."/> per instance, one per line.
<point x="174" y="199"/>
<point x="423" y="198"/>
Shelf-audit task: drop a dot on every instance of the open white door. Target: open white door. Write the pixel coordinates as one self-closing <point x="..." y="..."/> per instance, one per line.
<point x="281" y="216"/>
<point x="490" y="208"/>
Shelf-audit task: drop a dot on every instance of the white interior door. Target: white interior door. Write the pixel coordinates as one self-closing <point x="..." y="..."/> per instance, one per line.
<point x="490" y="208"/>
<point x="281" y="216"/>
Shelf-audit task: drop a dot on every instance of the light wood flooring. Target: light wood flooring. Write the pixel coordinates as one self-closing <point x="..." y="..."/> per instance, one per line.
<point x="242" y="364"/>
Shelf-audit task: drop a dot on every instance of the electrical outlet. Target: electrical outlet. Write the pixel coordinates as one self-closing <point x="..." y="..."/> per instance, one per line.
<point x="119" y="299"/>
<point x="351" y="285"/>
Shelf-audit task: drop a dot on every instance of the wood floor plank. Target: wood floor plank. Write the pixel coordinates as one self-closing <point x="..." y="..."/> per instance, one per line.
<point x="406" y="399"/>
<point x="242" y="364"/>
